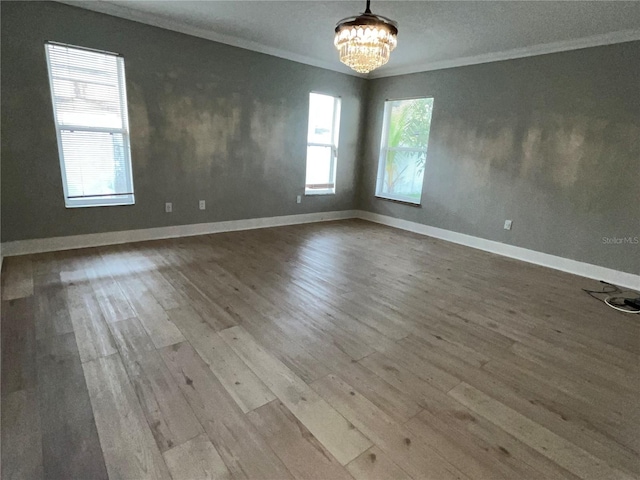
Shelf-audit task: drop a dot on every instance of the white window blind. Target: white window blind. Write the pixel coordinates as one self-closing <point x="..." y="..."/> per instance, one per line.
<point x="90" y="111"/>
<point x="322" y="144"/>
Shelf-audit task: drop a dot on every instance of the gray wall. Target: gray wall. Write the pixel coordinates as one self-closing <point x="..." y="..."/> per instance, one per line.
<point x="208" y="121"/>
<point x="551" y="142"/>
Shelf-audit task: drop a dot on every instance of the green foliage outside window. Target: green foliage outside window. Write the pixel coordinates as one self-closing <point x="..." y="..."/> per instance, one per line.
<point x="408" y="124"/>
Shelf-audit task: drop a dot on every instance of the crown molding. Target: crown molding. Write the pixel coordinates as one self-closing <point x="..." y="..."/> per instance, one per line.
<point x="541" y="49"/>
<point x="386" y="71"/>
<point x="127" y="13"/>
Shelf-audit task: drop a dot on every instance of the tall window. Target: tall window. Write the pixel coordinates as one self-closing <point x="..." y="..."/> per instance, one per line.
<point x="90" y="111"/>
<point x="322" y="144"/>
<point x="403" y="152"/>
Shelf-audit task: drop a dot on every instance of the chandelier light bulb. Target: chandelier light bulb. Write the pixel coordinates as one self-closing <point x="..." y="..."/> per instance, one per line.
<point x="365" y="42"/>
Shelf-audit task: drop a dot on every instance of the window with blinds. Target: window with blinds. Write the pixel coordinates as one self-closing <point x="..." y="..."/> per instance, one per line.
<point x="90" y="111"/>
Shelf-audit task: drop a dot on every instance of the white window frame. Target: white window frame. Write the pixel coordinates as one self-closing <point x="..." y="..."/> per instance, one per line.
<point x="127" y="198"/>
<point x="385" y="149"/>
<point x="335" y="127"/>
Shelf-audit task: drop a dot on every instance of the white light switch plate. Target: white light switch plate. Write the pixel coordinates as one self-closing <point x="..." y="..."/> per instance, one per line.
<point x="168" y="207"/>
<point x="202" y="205"/>
<point x="507" y="224"/>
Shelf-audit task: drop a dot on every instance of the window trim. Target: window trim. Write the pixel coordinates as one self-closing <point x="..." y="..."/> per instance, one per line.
<point x="120" y="199"/>
<point x="335" y="134"/>
<point x="384" y="150"/>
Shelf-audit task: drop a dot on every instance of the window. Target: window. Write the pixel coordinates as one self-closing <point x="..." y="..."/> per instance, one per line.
<point x="90" y="111"/>
<point x="322" y="144"/>
<point x="403" y="152"/>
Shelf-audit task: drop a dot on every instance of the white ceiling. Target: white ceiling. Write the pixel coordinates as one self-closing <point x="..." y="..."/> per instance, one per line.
<point x="432" y="34"/>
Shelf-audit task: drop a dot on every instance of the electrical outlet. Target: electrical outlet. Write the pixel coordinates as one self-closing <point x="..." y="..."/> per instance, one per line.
<point x="507" y="224"/>
<point x="168" y="207"/>
<point x="299" y="199"/>
<point x="202" y="205"/>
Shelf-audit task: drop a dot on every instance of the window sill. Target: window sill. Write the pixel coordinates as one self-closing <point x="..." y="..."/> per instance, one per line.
<point x="318" y="194"/>
<point x="401" y="202"/>
<point x="123" y="203"/>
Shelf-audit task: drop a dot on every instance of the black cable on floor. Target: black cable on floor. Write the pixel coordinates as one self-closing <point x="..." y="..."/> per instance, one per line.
<point x="617" y="302"/>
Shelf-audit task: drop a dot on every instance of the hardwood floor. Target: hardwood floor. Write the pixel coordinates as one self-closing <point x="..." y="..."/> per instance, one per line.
<point x="322" y="351"/>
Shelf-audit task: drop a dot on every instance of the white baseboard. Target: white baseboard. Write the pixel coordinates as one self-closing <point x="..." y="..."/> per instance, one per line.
<point x="24" y="247"/>
<point x="40" y="245"/>
<point x="623" y="279"/>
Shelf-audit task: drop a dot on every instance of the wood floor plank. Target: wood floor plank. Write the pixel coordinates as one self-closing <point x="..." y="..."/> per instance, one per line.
<point x="573" y="419"/>
<point x="422" y="392"/>
<point x="238" y="379"/>
<point x="196" y="459"/>
<point x="120" y="260"/>
<point x="51" y="309"/>
<point x="18" y="345"/>
<point x="439" y="358"/>
<point x="563" y="413"/>
<point x="17" y="277"/>
<point x="342" y="339"/>
<point x="112" y="301"/>
<point x="195" y="297"/>
<point x="374" y="464"/>
<point x="110" y="297"/>
<point x="301" y="452"/>
<point x="405" y="449"/>
<point x="134" y="265"/>
<point x="600" y="392"/>
<point x="425" y="370"/>
<point x="442" y="411"/>
<point x="326" y="352"/>
<point x="505" y="452"/>
<point x="604" y="378"/>
<point x="151" y="314"/>
<point x="375" y="318"/>
<point x="131" y="338"/>
<point x="45" y="264"/>
<point x="342" y="321"/>
<point x="393" y="401"/>
<point x="240" y="445"/>
<point x="92" y="333"/>
<point x="129" y="449"/>
<point x="163" y="291"/>
<point x="70" y="444"/>
<point x="168" y="414"/>
<point x="288" y="351"/>
<point x="467" y="455"/>
<point x="327" y="425"/>
<point x="572" y="414"/>
<point x="546" y="338"/>
<point x="546" y="442"/>
<point x="572" y="340"/>
<point x="21" y="436"/>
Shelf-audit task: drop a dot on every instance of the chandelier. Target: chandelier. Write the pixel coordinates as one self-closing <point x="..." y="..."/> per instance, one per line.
<point x="366" y="41"/>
